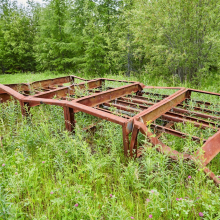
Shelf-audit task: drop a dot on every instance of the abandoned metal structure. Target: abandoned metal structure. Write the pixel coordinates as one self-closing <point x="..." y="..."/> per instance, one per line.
<point x="137" y="108"/>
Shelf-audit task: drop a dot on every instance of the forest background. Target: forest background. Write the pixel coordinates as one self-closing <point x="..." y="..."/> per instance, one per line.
<point x="177" y="40"/>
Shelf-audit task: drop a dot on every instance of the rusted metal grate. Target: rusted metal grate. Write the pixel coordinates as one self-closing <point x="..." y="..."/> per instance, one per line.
<point x="152" y="111"/>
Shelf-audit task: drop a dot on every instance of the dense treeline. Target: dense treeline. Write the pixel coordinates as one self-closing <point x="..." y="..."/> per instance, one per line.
<point x="169" y="38"/>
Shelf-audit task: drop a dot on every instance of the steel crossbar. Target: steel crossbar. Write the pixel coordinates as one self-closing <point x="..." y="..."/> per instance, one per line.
<point x="134" y="106"/>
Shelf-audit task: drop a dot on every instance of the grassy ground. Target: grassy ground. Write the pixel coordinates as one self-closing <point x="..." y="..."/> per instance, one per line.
<point x="48" y="173"/>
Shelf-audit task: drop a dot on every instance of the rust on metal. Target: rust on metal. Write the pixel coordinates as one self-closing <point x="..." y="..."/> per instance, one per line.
<point x="150" y="110"/>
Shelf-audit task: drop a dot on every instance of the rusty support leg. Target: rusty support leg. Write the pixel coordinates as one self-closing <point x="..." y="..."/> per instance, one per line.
<point x="69" y="118"/>
<point x="25" y="108"/>
<point x="188" y="96"/>
<point x="72" y="79"/>
<point x="133" y="144"/>
<point x="125" y="139"/>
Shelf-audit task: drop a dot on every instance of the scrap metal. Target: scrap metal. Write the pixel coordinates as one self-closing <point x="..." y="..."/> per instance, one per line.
<point x="138" y="111"/>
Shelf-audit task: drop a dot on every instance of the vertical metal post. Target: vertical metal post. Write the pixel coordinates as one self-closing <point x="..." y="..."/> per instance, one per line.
<point x="125" y="140"/>
<point x="69" y="118"/>
<point x="133" y="145"/>
<point x="24" y="108"/>
<point x="72" y="79"/>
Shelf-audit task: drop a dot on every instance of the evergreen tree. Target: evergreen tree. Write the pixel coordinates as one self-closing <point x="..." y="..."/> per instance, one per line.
<point x="178" y="37"/>
<point x="50" y="41"/>
<point x="16" y="40"/>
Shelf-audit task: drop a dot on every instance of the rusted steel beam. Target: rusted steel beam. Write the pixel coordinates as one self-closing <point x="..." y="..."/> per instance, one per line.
<point x="121" y="107"/>
<point x="125" y="136"/>
<point x="137" y="99"/>
<point x="142" y="107"/>
<point x="196" y="121"/>
<point x="109" y="95"/>
<point x="211" y="175"/>
<point x="205" y="92"/>
<point x="119" y="113"/>
<point x="162" y="148"/>
<point x="171" y="153"/>
<point x="47" y="83"/>
<point x="69" y="118"/>
<point x="200" y="102"/>
<point x="154" y="100"/>
<point x="70" y="90"/>
<point x="125" y="105"/>
<point x="176" y="118"/>
<point x="155" y="111"/>
<point x="51" y="82"/>
<point x="210" y="149"/>
<point x="198" y="114"/>
<point x="174" y="132"/>
<point x="133" y="144"/>
<point x="129" y="104"/>
<point x="11" y="92"/>
<point x="18" y="87"/>
<point x="148" y="99"/>
<point x="40" y="84"/>
<point x="118" y="80"/>
<point x="141" y="93"/>
<point x="199" y="109"/>
<point x="25" y="108"/>
<point x="77" y="107"/>
<point x="182" y="120"/>
<point x="168" y="125"/>
<point x="161" y="87"/>
<point x="4" y="97"/>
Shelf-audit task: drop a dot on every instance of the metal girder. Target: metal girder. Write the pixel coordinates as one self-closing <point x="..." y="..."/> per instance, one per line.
<point x="168" y="130"/>
<point x="106" y="96"/>
<point x="162" y="107"/>
<point x="70" y="90"/>
<point x="127" y="102"/>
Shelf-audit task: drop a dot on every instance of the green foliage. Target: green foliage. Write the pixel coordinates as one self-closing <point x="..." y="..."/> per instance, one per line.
<point x="51" y="40"/>
<point x="176" y="40"/>
<point x="178" y="37"/>
<point x="16" y="40"/>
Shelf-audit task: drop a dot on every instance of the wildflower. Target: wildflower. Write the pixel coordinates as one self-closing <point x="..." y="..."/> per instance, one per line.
<point x="66" y="151"/>
<point x="110" y="195"/>
<point x="43" y="161"/>
<point x="16" y="173"/>
<point x="148" y="200"/>
<point x="201" y="214"/>
<point x="189" y="177"/>
<point x="152" y="191"/>
<point x="218" y="176"/>
<point x="150" y="216"/>
<point x="15" y="154"/>
<point x="78" y="191"/>
<point x="76" y="205"/>
<point x="132" y="217"/>
<point x="51" y="192"/>
<point x="180" y="198"/>
<point x="177" y="199"/>
<point x="3" y="164"/>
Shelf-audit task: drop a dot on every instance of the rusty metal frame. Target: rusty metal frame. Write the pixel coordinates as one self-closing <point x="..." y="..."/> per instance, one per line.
<point x="134" y="111"/>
